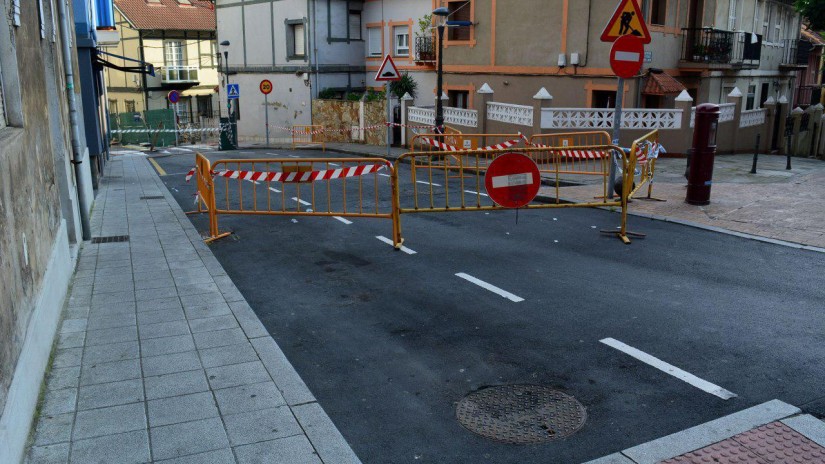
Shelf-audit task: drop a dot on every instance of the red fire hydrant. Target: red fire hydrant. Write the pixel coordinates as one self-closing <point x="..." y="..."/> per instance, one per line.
<point x="700" y="177"/>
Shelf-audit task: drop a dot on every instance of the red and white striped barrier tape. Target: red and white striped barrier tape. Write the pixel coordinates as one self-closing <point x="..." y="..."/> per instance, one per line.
<point x="446" y="147"/>
<point x="352" y="129"/>
<point x="287" y="177"/>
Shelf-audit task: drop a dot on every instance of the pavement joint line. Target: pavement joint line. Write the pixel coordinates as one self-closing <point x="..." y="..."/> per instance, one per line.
<point x="670" y="369"/>
<point x="490" y="287"/>
<point x="711" y="432"/>
<point x="389" y="242"/>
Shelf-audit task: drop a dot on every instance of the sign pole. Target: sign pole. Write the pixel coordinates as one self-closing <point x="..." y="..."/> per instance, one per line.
<point x="617" y="129"/>
<point x="389" y="115"/>
<point x="266" y="117"/>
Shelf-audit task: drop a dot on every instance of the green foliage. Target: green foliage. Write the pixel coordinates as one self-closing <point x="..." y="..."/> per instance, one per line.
<point x="354" y="97"/>
<point x="375" y="96"/>
<point x="425" y="24"/>
<point x="406" y="85"/>
<point x="327" y="94"/>
<point x="814" y="10"/>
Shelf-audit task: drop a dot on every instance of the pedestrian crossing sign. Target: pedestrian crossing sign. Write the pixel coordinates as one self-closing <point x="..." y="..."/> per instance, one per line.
<point x="627" y="20"/>
<point x="233" y="91"/>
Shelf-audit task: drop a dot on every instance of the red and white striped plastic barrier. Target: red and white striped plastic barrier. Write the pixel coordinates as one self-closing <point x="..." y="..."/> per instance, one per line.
<point x="190" y="174"/>
<point x="309" y="176"/>
<point x="446" y="147"/>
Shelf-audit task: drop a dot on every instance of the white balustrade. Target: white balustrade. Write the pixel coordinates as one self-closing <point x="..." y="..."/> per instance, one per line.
<point x="727" y="112"/>
<point x="693" y="116"/>
<point x="457" y="116"/>
<point x="519" y="115"/>
<point x="752" y="118"/>
<point x="597" y="118"/>
<point x="461" y="117"/>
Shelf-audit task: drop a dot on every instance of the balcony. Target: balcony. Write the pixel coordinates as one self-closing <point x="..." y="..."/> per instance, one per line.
<point x="170" y="75"/>
<point x="795" y="54"/>
<point x="708" y="48"/>
<point x="425" y="49"/>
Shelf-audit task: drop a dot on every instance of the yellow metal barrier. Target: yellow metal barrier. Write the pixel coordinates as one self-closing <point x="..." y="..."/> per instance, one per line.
<point x="441" y="193"/>
<point x="308" y="135"/>
<point x="263" y="187"/>
<point x="643" y="149"/>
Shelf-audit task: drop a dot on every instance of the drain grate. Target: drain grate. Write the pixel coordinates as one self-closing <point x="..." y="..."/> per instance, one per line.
<point x="521" y="414"/>
<point x="111" y="239"/>
<point x="152" y="197"/>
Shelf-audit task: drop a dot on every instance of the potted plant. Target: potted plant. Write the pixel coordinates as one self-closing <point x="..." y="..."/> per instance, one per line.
<point x="425" y="42"/>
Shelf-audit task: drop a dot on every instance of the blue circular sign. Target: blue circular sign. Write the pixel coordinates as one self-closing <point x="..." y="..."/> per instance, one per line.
<point x="174" y="96"/>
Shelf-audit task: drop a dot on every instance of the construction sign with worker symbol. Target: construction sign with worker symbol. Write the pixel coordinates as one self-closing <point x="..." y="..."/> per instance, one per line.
<point x="627" y="20"/>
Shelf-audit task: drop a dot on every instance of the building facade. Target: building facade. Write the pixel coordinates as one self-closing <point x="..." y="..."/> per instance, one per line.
<point x="45" y="198"/>
<point x="176" y="37"/>
<point x="301" y="46"/>
<point x="706" y="46"/>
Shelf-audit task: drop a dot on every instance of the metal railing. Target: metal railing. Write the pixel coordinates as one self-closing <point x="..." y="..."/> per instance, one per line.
<point x="793" y="55"/>
<point x="425" y="49"/>
<point x="715" y="46"/>
<point x="179" y="74"/>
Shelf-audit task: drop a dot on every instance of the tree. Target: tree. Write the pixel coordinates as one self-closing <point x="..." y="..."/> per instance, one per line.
<point x="406" y="85"/>
<point x="814" y="11"/>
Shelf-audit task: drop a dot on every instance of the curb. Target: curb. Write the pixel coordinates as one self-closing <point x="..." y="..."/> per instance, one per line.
<point x="717" y="430"/>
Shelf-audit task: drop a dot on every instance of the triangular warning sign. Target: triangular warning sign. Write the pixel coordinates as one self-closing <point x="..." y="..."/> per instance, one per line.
<point x="388" y="71"/>
<point x="627" y="20"/>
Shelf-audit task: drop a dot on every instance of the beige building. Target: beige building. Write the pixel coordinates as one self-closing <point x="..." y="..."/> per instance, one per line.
<point x="177" y="37"/>
<point x="706" y="46"/>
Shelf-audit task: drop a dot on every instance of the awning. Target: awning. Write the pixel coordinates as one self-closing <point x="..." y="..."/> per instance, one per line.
<point x="662" y="84"/>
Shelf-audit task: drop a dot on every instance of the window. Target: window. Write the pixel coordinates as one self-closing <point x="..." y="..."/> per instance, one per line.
<point x="658" y="12"/>
<point x="295" y="39"/>
<point x="402" y="40"/>
<point x="173" y="53"/>
<point x="182" y="110"/>
<point x="130" y="106"/>
<point x="458" y="98"/>
<point x="459" y="11"/>
<point x="15" y="12"/>
<point x="205" y="106"/>
<point x="764" y="94"/>
<point x="113" y="107"/>
<point x="751" y="97"/>
<point x="355" y="24"/>
<point x="732" y="14"/>
<point x="603" y="99"/>
<point x="374" y="41"/>
<point x="42" y="16"/>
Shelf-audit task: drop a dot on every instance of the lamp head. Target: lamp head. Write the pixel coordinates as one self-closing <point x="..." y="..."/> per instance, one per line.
<point x="225" y="43"/>
<point x="441" y="11"/>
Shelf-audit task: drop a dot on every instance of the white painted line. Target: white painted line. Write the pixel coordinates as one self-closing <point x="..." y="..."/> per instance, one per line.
<point x="477" y="193"/>
<point x="389" y="242"/>
<point x="274" y="190"/>
<point x="490" y="287"/>
<point x="513" y="180"/>
<point x="293" y="156"/>
<point x="345" y="221"/>
<point x="691" y="379"/>
<point x="305" y="203"/>
<point x="384" y="175"/>
<point x="428" y="183"/>
<point x="334" y="164"/>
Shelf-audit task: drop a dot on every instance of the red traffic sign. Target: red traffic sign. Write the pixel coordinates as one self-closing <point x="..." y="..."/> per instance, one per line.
<point x="627" y="20"/>
<point x="173" y="96"/>
<point x="626" y="56"/>
<point x="266" y="87"/>
<point x="388" y="71"/>
<point x="512" y="180"/>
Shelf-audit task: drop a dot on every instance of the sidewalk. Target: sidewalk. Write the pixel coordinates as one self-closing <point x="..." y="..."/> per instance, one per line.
<point x="159" y="357"/>
<point x="772" y="432"/>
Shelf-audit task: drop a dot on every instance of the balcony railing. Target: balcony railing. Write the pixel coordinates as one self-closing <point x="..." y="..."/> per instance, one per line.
<point x="179" y="74"/>
<point x="718" y="47"/>
<point x="425" y="49"/>
<point x="795" y="53"/>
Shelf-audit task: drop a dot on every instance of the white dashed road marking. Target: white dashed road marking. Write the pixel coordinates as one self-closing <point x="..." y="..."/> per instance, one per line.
<point x="492" y="288"/>
<point x="389" y="242"/>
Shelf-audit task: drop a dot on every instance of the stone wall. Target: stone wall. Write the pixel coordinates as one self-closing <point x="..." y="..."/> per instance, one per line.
<point x="337" y="114"/>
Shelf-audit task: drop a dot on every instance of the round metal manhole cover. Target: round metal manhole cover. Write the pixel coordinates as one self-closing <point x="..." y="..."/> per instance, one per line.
<point x="521" y="414"/>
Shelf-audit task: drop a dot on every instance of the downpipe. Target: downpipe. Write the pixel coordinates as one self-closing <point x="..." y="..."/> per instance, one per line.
<point x="68" y="66"/>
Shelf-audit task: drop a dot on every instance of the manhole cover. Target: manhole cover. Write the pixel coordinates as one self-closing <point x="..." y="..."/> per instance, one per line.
<point x="521" y="414"/>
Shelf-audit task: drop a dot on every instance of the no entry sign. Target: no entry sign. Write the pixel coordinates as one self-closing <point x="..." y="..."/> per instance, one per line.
<point x="512" y="180"/>
<point x="627" y="55"/>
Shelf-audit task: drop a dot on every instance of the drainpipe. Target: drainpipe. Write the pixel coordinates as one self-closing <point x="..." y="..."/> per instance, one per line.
<point x="77" y="154"/>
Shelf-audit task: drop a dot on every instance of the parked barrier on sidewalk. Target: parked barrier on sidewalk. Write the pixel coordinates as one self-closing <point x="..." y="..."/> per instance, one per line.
<point x="308" y="135"/>
<point x="321" y="187"/>
<point x="646" y="151"/>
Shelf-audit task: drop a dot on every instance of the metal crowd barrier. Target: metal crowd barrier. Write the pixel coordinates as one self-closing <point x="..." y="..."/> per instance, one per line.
<point x="646" y="154"/>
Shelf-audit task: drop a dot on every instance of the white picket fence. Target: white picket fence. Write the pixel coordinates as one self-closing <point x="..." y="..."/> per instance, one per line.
<point x="519" y="115"/>
<point x="457" y="116"/>
<point x="602" y="118"/>
<point x="752" y="118"/>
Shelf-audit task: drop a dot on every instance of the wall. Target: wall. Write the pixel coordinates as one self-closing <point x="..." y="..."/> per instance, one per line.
<point x="35" y="184"/>
<point x="337" y="114"/>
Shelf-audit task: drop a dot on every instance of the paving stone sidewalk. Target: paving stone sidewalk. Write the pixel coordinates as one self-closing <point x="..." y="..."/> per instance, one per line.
<point x="160" y="359"/>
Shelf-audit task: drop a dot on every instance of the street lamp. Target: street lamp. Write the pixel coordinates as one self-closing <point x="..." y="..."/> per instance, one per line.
<point x="225" y="44"/>
<point x="444" y="13"/>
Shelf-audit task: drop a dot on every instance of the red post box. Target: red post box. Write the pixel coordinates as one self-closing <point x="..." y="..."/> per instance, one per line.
<point x="700" y="177"/>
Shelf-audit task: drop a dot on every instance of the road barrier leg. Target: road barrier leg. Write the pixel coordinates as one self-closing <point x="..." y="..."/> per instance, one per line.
<point x="397" y="240"/>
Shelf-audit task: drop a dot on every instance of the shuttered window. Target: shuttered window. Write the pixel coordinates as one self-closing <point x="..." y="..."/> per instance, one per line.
<point x="374" y="39"/>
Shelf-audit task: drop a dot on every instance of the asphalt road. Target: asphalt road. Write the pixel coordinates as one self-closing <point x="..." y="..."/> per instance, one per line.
<point x="389" y="342"/>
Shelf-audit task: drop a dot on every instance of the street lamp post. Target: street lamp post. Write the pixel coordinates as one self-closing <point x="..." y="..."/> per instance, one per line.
<point x="444" y="13"/>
